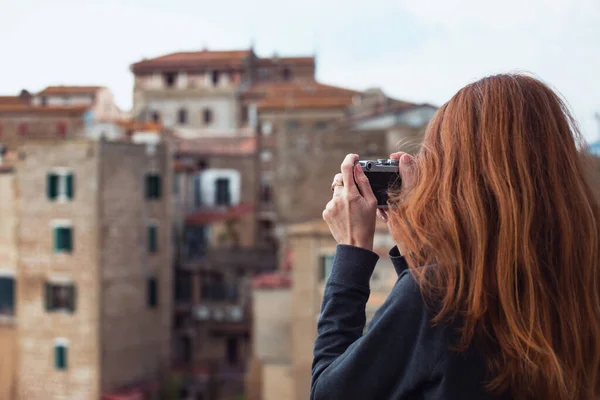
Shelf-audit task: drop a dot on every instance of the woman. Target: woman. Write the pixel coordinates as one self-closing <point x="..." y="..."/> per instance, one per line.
<point x="498" y="291"/>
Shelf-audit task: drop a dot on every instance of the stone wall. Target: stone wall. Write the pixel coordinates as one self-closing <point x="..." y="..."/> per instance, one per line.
<point x="38" y="263"/>
<point x="135" y="337"/>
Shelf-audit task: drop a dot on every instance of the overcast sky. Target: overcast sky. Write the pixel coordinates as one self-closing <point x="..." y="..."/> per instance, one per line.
<point x="418" y="50"/>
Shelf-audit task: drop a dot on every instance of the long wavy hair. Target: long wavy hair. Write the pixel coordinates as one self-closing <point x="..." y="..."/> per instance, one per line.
<point x="502" y="211"/>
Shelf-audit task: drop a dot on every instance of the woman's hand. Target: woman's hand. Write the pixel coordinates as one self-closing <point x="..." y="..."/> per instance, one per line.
<point x="350" y="214"/>
<point x="407" y="172"/>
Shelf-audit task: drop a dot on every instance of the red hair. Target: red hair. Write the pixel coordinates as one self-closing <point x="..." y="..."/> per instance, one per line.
<point x="502" y="208"/>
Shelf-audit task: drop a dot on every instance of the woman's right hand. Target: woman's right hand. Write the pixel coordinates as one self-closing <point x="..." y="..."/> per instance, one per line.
<point x="407" y="172"/>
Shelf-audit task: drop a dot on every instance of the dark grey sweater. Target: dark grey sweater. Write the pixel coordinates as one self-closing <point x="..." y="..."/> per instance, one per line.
<point x="401" y="356"/>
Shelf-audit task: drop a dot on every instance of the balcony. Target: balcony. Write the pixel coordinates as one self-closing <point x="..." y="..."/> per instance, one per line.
<point x="255" y="259"/>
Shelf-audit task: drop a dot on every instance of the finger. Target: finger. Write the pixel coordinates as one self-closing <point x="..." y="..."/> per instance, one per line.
<point x="363" y="184"/>
<point x="337" y="189"/>
<point x="348" y="173"/>
<point x="382" y="214"/>
<point x="397" y="155"/>
<point x="407" y="170"/>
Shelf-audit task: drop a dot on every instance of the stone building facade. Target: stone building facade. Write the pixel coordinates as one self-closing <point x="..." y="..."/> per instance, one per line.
<point x="59" y="113"/>
<point x="287" y="307"/>
<point x="217" y="254"/>
<point x="93" y="284"/>
<point x="198" y="93"/>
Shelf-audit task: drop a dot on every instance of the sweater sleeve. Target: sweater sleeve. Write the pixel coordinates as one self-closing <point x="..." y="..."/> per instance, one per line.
<point x="398" y="352"/>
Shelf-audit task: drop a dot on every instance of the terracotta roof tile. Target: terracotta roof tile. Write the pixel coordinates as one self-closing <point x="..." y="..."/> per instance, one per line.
<point x="31" y="109"/>
<point x="214" y="145"/>
<point x="70" y="90"/>
<point x="267" y="62"/>
<point x="193" y="60"/>
<point x="299" y="94"/>
<point x="6" y="100"/>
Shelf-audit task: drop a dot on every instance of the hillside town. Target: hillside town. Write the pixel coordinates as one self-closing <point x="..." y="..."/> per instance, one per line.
<point x="177" y="251"/>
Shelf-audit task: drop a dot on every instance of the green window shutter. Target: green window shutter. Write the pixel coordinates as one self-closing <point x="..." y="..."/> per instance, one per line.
<point x="70" y="183"/>
<point x="7" y="296"/>
<point x="152" y="239"/>
<point x="57" y="240"/>
<point x="52" y="186"/>
<point x="60" y="356"/>
<point x="63" y="240"/>
<point x="68" y="234"/>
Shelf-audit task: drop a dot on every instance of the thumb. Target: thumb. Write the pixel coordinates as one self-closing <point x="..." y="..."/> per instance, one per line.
<point x="407" y="169"/>
<point x="363" y="182"/>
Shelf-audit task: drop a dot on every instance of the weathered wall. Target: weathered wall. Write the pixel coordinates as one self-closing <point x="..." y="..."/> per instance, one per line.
<point x="135" y="338"/>
<point x="277" y="382"/>
<point x="271" y="339"/>
<point x="37" y="328"/>
<point x="8" y="262"/>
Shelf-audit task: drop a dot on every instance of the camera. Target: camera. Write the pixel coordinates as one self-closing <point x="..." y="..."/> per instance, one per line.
<point x="383" y="174"/>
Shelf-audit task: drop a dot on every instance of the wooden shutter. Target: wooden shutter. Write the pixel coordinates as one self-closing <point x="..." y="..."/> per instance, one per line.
<point x="52" y="185"/>
<point x="70" y="183"/>
<point x="60" y="356"/>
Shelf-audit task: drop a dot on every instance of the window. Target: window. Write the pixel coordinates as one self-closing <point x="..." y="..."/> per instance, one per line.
<point x="292" y="125"/>
<point x="207" y="116"/>
<point x="61" y="354"/>
<point x="170" y="78"/>
<point x="215" y="77"/>
<point x="266" y="155"/>
<point x="320" y="125"/>
<point x="286" y="74"/>
<point x="60" y="297"/>
<point x="155" y="116"/>
<point x="23" y="129"/>
<point x="44" y="101"/>
<point x="326" y="265"/>
<point x="152" y="299"/>
<point x="152" y="238"/>
<point x="223" y="192"/>
<point x="60" y="185"/>
<point x="244" y="114"/>
<point x="232" y="350"/>
<point x="266" y="192"/>
<point x="266" y="128"/>
<point x="182" y="116"/>
<point x="63" y="239"/>
<point x="61" y="129"/>
<point x="153" y="183"/>
<point x="7" y="295"/>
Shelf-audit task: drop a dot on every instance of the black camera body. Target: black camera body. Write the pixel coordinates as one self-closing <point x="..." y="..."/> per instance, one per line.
<point x="383" y="174"/>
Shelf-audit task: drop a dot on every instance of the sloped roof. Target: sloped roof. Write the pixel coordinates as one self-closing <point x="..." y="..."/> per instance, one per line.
<point x="302" y="94"/>
<point x="193" y="59"/>
<point x="70" y="90"/>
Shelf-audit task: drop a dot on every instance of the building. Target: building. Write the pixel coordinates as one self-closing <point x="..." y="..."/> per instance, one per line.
<point x="287" y="306"/>
<point x="198" y="93"/>
<point x="86" y="252"/>
<point x="218" y="252"/>
<point x="59" y="113"/>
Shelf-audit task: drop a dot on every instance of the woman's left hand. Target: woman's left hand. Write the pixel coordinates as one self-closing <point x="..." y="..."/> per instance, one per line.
<point x="350" y="214"/>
